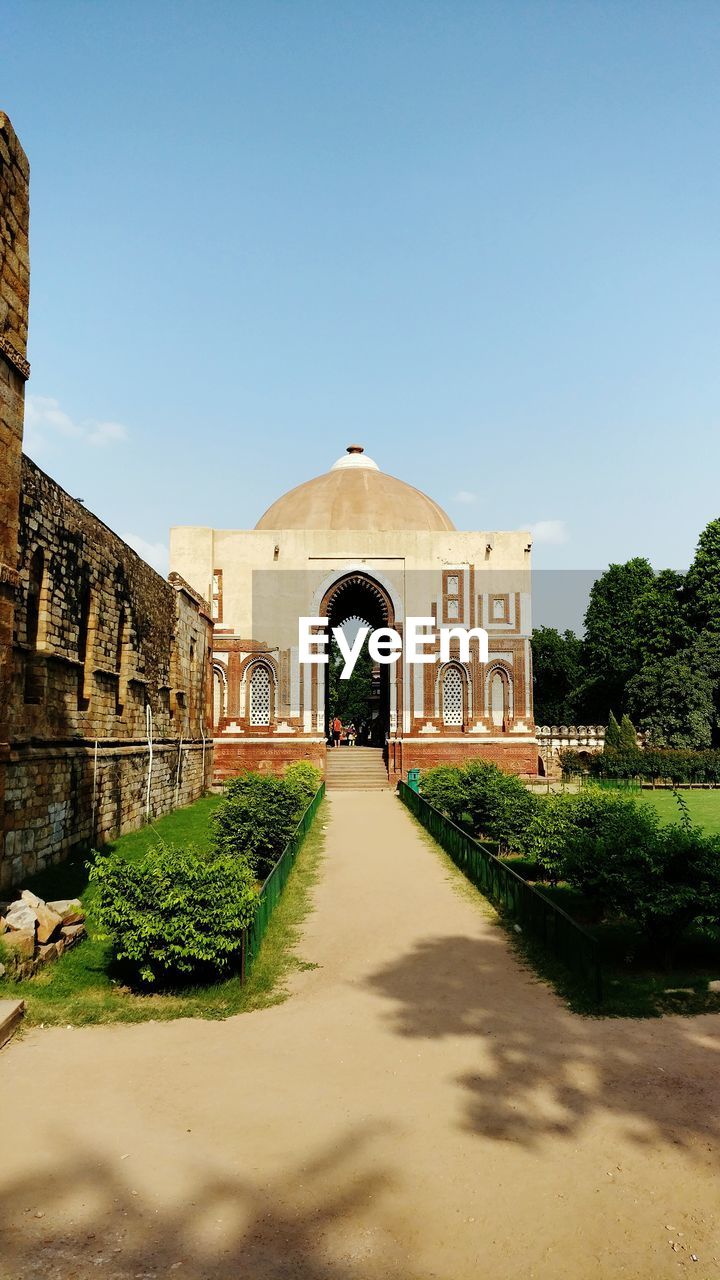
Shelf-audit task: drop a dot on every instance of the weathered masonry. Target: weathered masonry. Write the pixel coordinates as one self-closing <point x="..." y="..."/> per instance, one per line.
<point x="105" y="668"/>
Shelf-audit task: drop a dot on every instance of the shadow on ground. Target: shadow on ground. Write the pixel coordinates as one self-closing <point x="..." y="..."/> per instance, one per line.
<point x="544" y="1071"/>
<point x="85" y="1218"/>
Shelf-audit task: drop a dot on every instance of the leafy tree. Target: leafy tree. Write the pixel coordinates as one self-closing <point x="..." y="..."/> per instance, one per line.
<point x="628" y="735"/>
<point x="175" y="914"/>
<point x="557" y="671"/>
<point x="351" y="699"/>
<point x="660" y="618"/>
<point x="672" y="699"/>
<point x="702" y="583"/>
<point x="610" y="647"/>
<point x="612" y="734"/>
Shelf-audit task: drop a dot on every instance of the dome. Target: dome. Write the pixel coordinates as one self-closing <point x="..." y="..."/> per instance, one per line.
<point x="355" y="494"/>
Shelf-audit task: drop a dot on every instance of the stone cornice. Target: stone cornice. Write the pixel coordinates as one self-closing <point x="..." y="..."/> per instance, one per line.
<point x="17" y="361"/>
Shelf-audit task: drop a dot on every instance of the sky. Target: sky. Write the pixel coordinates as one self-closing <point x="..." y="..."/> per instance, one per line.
<point x="480" y="239"/>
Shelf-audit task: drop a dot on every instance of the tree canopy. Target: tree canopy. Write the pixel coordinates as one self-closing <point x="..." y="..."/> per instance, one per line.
<point x="650" y="650"/>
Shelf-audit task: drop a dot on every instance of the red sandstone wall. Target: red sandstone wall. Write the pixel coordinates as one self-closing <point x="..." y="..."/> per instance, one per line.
<point x="514" y="757"/>
<point x="234" y="757"/>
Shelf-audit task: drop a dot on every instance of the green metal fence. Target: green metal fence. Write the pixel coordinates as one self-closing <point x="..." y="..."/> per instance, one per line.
<point x="537" y="915"/>
<point x="272" y="888"/>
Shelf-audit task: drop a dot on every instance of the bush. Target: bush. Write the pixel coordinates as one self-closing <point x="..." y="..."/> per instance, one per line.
<point x="663" y="878"/>
<point x="175" y="914"/>
<point x="604" y="828"/>
<point x="443" y="788"/>
<point x="545" y="839"/>
<point x="256" y="819"/>
<point x="482" y="799"/>
<point x="303" y="779"/>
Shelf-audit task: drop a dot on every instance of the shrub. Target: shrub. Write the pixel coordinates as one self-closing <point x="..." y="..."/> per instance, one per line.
<point x="663" y="878"/>
<point x="546" y="836"/>
<point x="482" y="799"/>
<point x="257" y="817"/>
<point x="175" y="914"/>
<point x="303" y="779"/>
<point x="605" y="829"/>
<point x="443" y="788"/>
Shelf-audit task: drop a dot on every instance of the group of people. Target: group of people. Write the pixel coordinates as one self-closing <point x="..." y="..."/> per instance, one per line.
<point x="366" y="733"/>
<point x="340" y="733"/>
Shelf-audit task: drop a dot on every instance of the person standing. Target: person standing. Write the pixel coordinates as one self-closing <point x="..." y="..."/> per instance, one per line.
<point x="351" y="734"/>
<point x="336" y="731"/>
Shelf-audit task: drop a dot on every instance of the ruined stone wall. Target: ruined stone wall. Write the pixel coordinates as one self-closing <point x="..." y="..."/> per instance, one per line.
<point x="90" y="635"/>
<point x="99" y="637"/>
<point x="14" y="370"/>
<point x="14" y="291"/>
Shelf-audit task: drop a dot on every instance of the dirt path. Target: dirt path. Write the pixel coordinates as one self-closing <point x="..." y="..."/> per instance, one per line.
<point x="420" y="1108"/>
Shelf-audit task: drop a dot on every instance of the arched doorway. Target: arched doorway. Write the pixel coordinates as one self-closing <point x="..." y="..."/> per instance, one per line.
<point x="353" y="600"/>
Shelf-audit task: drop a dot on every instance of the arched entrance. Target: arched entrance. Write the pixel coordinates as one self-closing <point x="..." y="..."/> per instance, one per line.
<point x="358" y="598"/>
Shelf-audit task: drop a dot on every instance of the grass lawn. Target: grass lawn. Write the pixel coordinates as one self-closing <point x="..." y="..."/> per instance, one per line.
<point x="704" y="806"/>
<point x="81" y="988"/>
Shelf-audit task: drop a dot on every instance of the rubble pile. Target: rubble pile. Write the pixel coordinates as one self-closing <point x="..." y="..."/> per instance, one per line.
<point x="33" y="932"/>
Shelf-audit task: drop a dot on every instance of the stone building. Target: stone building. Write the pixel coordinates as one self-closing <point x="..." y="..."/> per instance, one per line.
<point x="105" y="668"/>
<point x="356" y="545"/>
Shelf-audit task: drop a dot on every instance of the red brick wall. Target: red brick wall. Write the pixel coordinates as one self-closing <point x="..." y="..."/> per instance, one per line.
<point x="234" y="757"/>
<point x="514" y="757"/>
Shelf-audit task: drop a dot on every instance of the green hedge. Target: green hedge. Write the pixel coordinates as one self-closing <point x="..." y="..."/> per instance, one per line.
<point x="654" y="764"/>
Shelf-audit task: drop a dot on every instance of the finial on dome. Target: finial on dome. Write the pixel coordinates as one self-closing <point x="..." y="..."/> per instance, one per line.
<point x="353" y="458"/>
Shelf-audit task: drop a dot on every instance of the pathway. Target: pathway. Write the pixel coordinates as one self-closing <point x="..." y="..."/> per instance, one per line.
<point x="421" y="1107"/>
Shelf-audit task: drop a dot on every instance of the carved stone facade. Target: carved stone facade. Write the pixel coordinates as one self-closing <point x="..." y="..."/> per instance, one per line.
<point x="105" y="667"/>
<point x="357" y="545"/>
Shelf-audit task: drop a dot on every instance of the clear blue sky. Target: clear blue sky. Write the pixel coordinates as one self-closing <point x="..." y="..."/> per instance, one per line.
<point x="480" y="239"/>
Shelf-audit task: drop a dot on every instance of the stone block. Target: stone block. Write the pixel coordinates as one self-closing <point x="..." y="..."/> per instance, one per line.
<point x="21" y="916"/>
<point x="72" y="932"/>
<point x="69" y="909"/>
<point x="20" y="942"/>
<point x="48" y="922"/>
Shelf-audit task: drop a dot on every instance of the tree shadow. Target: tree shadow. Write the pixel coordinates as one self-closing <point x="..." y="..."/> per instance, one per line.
<point x="82" y="1217"/>
<point x="545" y="1071"/>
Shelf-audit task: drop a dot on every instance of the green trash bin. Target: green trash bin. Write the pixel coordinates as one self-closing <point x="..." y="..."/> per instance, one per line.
<point x="414" y="779"/>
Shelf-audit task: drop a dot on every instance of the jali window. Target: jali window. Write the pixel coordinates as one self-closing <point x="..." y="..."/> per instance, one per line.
<point x="260" y="696"/>
<point x="452" y="697"/>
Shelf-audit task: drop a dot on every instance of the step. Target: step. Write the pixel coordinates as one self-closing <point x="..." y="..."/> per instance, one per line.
<point x="12" y="1013"/>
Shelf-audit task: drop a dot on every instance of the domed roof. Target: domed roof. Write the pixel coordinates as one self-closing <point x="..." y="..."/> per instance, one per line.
<point x="355" y="494"/>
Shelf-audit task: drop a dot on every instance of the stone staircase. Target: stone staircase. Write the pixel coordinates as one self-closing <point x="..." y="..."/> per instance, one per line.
<point x="355" y="769"/>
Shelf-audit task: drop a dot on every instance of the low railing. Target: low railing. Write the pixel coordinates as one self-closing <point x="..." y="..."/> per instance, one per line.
<point x="537" y="916"/>
<point x="272" y="888"/>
